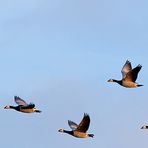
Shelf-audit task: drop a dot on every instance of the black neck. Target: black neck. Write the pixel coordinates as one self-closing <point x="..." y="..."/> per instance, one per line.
<point x="15" y="107"/>
<point x="12" y="107"/>
<point x="68" y="132"/>
<point x="118" y="81"/>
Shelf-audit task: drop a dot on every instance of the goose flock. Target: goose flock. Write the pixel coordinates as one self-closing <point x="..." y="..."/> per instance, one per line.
<point x="128" y="80"/>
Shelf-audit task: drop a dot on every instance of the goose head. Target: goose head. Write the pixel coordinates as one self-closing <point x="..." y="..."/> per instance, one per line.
<point x="61" y="130"/>
<point x="7" y="107"/>
<point x="110" y="80"/>
<point x="144" y="127"/>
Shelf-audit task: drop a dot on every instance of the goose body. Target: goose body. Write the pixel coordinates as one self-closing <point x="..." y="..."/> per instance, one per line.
<point x="22" y="106"/>
<point x="79" y="131"/>
<point x="129" y="76"/>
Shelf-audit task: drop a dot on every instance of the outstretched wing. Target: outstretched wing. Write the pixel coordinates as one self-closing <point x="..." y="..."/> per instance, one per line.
<point x="133" y="74"/>
<point x="84" y="124"/>
<point x="126" y="68"/>
<point x="72" y="125"/>
<point x="20" y="101"/>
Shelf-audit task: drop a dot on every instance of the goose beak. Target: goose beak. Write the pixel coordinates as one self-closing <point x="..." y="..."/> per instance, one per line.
<point x="7" y="107"/>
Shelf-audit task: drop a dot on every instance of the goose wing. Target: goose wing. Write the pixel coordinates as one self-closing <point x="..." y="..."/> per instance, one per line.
<point x="29" y="106"/>
<point x="72" y="125"/>
<point x="20" y="101"/>
<point x="84" y="124"/>
<point x="133" y="74"/>
<point x="126" y="68"/>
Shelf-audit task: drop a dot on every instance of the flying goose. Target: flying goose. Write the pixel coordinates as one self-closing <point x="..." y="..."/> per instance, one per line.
<point x="79" y="131"/>
<point x="22" y="106"/>
<point x="129" y="76"/>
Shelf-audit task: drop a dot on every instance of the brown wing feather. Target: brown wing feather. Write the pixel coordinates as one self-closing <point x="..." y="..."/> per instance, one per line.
<point x="126" y="68"/>
<point x="133" y="74"/>
<point x="20" y="101"/>
<point x="84" y="124"/>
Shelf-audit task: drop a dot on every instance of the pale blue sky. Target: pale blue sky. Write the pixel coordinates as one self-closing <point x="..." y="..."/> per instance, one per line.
<point x="59" y="55"/>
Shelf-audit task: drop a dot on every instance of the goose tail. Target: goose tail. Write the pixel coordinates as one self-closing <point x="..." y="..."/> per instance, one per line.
<point x="139" y="85"/>
<point x="91" y="135"/>
<point x="38" y="111"/>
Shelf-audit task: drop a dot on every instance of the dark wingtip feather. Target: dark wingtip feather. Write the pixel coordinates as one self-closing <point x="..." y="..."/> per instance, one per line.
<point x="127" y="62"/>
<point x="139" y="66"/>
<point x="15" y="97"/>
<point x="86" y="115"/>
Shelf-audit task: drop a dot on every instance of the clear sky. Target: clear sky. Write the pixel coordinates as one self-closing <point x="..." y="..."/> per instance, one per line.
<point x="59" y="55"/>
